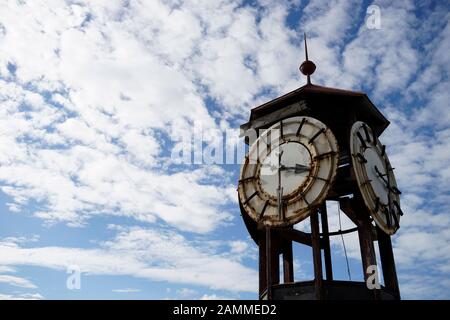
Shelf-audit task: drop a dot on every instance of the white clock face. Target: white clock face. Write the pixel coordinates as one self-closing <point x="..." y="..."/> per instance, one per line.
<point x="292" y="154"/>
<point x="288" y="171"/>
<point x="375" y="178"/>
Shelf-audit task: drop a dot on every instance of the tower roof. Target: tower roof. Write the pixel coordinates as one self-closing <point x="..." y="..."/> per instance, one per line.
<point x="313" y="99"/>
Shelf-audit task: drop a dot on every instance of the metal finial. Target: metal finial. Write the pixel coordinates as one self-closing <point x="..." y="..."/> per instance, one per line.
<point x="306" y="46"/>
<point x="307" y="67"/>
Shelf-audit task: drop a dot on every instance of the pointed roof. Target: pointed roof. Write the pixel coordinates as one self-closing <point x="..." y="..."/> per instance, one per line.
<point x="357" y="100"/>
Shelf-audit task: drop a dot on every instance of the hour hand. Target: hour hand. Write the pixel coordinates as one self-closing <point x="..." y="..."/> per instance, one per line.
<point x="298" y="168"/>
<point x="382" y="176"/>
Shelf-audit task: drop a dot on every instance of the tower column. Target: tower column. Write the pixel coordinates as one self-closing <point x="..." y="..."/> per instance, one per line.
<point x="368" y="256"/>
<point x="262" y="263"/>
<point x="388" y="263"/>
<point x="288" y="267"/>
<point x="317" y="255"/>
<point x="326" y="242"/>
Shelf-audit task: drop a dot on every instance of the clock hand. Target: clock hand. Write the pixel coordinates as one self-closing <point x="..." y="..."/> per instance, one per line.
<point x="386" y="181"/>
<point x="280" y="203"/>
<point x="274" y="167"/>
<point x="388" y="218"/>
<point x="380" y="174"/>
<point x="299" y="168"/>
<point x="280" y="189"/>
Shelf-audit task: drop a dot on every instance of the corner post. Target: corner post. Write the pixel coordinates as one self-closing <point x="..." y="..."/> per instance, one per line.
<point x="388" y="263"/>
<point x="317" y="259"/>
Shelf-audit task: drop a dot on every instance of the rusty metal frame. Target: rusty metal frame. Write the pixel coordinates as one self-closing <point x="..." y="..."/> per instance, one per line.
<point x="367" y="193"/>
<point x="298" y="194"/>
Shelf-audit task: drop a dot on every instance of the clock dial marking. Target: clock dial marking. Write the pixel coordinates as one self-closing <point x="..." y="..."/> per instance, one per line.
<point x="361" y="139"/>
<point x="300" y="126"/>
<point x="383" y="150"/>
<point x="377" y="203"/>
<point x="374" y="137"/>
<point x="246" y="179"/>
<point x="321" y="179"/>
<point x="361" y="158"/>
<point x="395" y="190"/>
<point x="388" y="216"/>
<point x="400" y="212"/>
<point x="394" y="216"/>
<point x="251" y="197"/>
<point x="366" y="132"/>
<point x="261" y="214"/>
<point x="302" y="195"/>
<point x="324" y="155"/>
<point x="314" y="137"/>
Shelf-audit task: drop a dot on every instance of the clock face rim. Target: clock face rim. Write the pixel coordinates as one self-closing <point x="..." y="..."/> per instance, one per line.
<point x="365" y="185"/>
<point x="313" y="175"/>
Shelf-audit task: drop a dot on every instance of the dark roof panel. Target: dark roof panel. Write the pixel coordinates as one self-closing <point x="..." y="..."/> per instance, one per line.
<point x="357" y="99"/>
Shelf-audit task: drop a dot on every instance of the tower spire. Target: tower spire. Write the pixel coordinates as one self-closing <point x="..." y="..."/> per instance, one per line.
<point x="307" y="67"/>
<point x="306" y="46"/>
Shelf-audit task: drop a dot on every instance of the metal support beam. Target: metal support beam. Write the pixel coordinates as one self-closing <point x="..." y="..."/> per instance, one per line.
<point x="317" y="259"/>
<point x="262" y="263"/>
<point x="366" y="245"/>
<point x="288" y="267"/>
<point x="388" y="263"/>
<point x="326" y="242"/>
<point x="295" y="235"/>
<point x="269" y="261"/>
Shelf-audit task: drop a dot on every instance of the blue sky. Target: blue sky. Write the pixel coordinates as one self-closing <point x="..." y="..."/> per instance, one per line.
<point x="93" y="95"/>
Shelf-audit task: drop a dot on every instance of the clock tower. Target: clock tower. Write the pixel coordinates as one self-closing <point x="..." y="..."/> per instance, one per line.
<point x="318" y="144"/>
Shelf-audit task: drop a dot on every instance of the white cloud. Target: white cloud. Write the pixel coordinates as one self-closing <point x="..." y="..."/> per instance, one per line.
<point x="238" y="246"/>
<point x="6" y="269"/>
<point x="142" y="253"/>
<point x="89" y="177"/>
<point x="88" y="91"/>
<point x="186" y="293"/>
<point x="126" y="290"/>
<point x="80" y="135"/>
<point x="17" y="281"/>
<point x="21" y="296"/>
<point x="215" y="297"/>
<point x="91" y="137"/>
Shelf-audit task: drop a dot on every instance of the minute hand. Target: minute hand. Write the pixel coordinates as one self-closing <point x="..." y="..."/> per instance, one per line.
<point x="299" y="168"/>
<point x="386" y="181"/>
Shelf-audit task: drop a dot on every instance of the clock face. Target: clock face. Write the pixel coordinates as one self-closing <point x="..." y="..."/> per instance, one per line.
<point x="288" y="171"/>
<point x="375" y="178"/>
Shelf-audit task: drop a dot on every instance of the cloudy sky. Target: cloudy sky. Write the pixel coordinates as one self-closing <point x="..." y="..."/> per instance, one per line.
<point x="95" y="94"/>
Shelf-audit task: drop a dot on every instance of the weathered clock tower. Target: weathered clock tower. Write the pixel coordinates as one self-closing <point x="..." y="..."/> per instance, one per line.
<point x="318" y="144"/>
